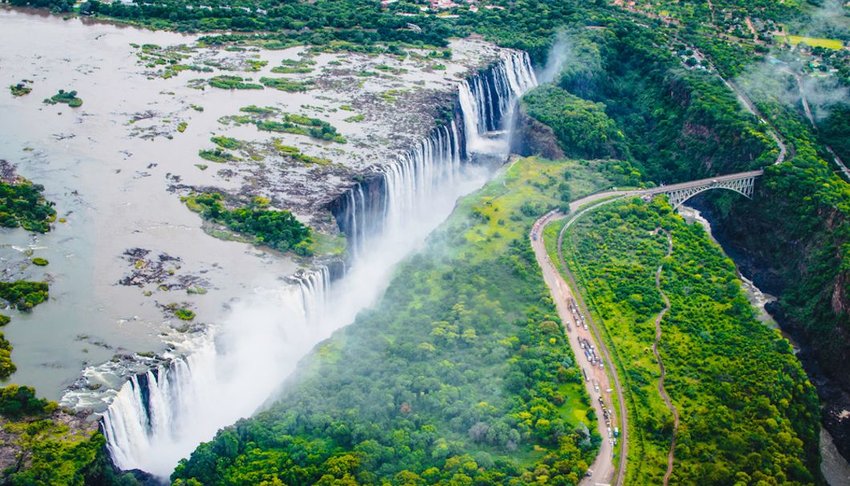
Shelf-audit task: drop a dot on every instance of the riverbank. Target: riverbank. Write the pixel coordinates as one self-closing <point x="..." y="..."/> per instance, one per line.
<point x="834" y="466"/>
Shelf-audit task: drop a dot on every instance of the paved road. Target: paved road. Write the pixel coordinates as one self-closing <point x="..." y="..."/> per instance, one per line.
<point x="597" y="381"/>
<point x="603" y="468"/>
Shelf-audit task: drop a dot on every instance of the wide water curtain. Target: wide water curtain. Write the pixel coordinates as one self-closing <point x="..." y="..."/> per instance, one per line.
<point x="159" y="417"/>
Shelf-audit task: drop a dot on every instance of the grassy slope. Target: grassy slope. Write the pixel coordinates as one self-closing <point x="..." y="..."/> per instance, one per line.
<point x="748" y="411"/>
<point x="397" y="395"/>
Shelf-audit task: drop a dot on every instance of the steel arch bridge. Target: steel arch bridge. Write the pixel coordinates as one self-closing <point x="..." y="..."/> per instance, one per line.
<point x="742" y="183"/>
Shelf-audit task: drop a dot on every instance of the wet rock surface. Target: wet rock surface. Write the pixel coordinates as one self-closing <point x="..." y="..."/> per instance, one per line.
<point x="534" y="138"/>
<point x="161" y="271"/>
<point x="380" y="104"/>
<point x="13" y="456"/>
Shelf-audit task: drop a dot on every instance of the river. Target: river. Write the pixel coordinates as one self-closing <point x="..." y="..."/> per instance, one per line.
<point x="113" y="166"/>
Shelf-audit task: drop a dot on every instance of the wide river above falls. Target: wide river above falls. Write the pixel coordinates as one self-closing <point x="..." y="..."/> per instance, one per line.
<point x="110" y="184"/>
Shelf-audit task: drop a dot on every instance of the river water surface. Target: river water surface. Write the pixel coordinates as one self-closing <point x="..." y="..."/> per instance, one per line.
<point x="111" y="188"/>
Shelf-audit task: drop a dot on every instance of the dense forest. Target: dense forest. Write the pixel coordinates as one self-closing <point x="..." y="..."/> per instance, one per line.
<point x="682" y="124"/>
<point x="582" y="128"/>
<point x="460" y="374"/>
<point x="793" y="238"/>
<point x="679" y="123"/>
<point x="734" y="381"/>
<point x="277" y="229"/>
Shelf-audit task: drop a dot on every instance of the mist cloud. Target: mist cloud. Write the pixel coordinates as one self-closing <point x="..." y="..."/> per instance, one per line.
<point x="560" y="53"/>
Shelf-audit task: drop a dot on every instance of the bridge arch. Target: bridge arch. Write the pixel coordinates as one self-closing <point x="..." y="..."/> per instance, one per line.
<point x="677" y="194"/>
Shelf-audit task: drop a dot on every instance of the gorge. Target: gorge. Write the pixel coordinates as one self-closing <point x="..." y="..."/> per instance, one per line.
<point x="289" y="249"/>
<point x="160" y="416"/>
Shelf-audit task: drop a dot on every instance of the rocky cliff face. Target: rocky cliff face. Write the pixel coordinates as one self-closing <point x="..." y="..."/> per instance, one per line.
<point x="534" y="138"/>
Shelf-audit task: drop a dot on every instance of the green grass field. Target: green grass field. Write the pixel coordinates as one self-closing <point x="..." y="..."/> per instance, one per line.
<point x="834" y="44"/>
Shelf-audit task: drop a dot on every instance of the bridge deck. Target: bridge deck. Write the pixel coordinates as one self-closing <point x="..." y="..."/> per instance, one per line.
<point x="743" y="183"/>
<point x="703" y="182"/>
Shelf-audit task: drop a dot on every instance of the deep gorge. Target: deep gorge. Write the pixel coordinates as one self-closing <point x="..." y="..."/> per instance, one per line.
<point x="151" y="411"/>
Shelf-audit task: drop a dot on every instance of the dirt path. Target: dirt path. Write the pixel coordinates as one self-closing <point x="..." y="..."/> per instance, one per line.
<point x="752" y="29"/>
<point x="661" y="390"/>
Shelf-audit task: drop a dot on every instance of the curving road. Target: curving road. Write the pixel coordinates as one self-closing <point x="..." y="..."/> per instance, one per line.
<point x="603" y="471"/>
<point x="597" y="381"/>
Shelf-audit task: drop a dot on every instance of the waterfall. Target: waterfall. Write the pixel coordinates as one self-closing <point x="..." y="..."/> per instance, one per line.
<point x="155" y="419"/>
<point x="486" y="103"/>
<point x="160" y="416"/>
<point x="487" y="99"/>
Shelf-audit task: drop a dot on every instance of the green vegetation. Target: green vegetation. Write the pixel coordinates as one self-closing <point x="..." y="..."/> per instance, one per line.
<point x="23" y="294"/>
<point x="232" y="82"/>
<point x="17" y="401"/>
<point x="21" y="88"/>
<point x="273" y="120"/>
<point x="7" y="366"/>
<point x="67" y="97"/>
<point x="49" y="446"/>
<point x="734" y="381"/>
<point x="259" y="110"/>
<point x="217" y="155"/>
<point x="678" y="124"/>
<point x="291" y="66"/>
<point x="182" y="126"/>
<point x="184" y="314"/>
<point x="41" y="262"/>
<point x="295" y="154"/>
<point x="42" y="444"/>
<point x="834" y="44"/>
<point x="804" y="202"/>
<point x="643" y="82"/>
<point x="391" y="95"/>
<point x="302" y="125"/>
<point x="276" y="229"/>
<point x="835" y="130"/>
<point x="288" y="85"/>
<point x="460" y="375"/>
<point x="256" y="64"/>
<point x="355" y="118"/>
<point x="170" y="59"/>
<point x="583" y="129"/>
<point x="226" y="142"/>
<point x="22" y="204"/>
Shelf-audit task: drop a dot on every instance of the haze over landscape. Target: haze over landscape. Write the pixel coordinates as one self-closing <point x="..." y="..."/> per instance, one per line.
<point x="409" y="242"/>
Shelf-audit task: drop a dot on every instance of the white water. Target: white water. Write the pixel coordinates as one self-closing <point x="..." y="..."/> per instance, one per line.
<point x="487" y="106"/>
<point x="233" y="369"/>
